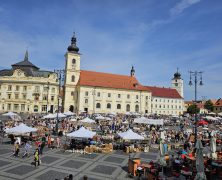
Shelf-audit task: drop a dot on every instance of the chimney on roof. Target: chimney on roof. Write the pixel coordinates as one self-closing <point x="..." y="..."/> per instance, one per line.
<point x="132" y="72"/>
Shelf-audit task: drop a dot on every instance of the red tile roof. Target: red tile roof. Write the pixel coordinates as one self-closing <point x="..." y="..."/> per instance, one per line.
<point x="164" y="92"/>
<point x="218" y="103"/>
<point x="99" y="79"/>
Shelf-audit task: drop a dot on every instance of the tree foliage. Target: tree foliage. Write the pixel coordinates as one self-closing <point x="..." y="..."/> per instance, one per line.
<point x="208" y="105"/>
<point x="192" y="109"/>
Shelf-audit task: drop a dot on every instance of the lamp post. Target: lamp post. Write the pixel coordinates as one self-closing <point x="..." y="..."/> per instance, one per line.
<point x="195" y="75"/>
<point x="60" y="75"/>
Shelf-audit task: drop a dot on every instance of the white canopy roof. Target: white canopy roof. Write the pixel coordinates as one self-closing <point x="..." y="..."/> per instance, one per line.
<point x="87" y="120"/>
<point x="100" y="117"/>
<point x="69" y="113"/>
<point x="72" y="120"/>
<point x="211" y="118"/>
<point x="21" y="129"/>
<point x="144" y="120"/>
<point x="48" y="116"/>
<point x="130" y="135"/>
<point x="211" y="113"/>
<point x="12" y="115"/>
<point x="82" y="133"/>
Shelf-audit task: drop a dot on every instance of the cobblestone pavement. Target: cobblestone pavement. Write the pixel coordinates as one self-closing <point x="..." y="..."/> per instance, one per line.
<point x="56" y="165"/>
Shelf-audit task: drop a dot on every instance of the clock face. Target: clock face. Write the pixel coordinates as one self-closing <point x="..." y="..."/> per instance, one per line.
<point x="176" y="84"/>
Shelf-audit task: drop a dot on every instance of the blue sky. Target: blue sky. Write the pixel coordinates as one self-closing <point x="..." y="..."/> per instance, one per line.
<point x="156" y="36"/>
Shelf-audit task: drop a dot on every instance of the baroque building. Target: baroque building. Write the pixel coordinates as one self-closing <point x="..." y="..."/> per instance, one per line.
<point x="97" y="92"/>
<point x="25" y="88"/>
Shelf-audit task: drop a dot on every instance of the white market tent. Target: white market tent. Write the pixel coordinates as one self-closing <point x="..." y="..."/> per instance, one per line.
<point x="12" y="115"/>
<point x="69" y="113"/>
<point x="211" y="118"/>
<point x="82" y="133"/>
<point x="220" y="114"/>
<point x="130" y="135"/>
<point x="100" y="117"/>
<point x="87" y="120"/>
<point x="48" y="116"/>
<point x="21" y="129"/>
<point x="144" y="120"/>
<point x="73" y="120"/>
<point x="212" y="113"/>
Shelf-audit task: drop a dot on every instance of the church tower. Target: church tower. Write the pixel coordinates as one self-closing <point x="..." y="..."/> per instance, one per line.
<point x="177" y="83"/>
<point x="72" y="73"/>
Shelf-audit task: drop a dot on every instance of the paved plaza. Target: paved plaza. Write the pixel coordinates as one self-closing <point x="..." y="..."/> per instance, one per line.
<point x="56" y="165"/>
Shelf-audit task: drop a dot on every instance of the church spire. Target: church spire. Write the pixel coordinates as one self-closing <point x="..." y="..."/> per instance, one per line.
<point x="132" y="72"/>
<point x="26" y="58"/>
<point x="73" y="48"/>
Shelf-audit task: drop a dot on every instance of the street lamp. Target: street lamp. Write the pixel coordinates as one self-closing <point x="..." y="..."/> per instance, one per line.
<point x="60" y="75"/>
<point x="195" y="74"/>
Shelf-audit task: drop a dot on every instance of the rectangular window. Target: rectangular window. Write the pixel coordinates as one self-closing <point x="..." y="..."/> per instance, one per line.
<point x="24" y="96"/>
<point x="24" y="88"/>
<point x="137" y="97"/>
<point x="9" y="96"/>
<point x="22" y="107"/>
<point x="17" y="88"/>
<point x="44" y="108"/>
<point x="37" y="88"/>
<point x="109" y="94"/>
<point x="146" y="97"/>
<point x="9" y="87"/>
<point x="128" y="96"/>
<point x="9" y="107"/>
<point x="45" y="88"/>
<point x="52" y="98"/>
<point x="86" y="93"/>
<point x="98" y="94"/>
<point x="16" y="96"/>
<point x="72" y="93"/>
<point x="16" y="107"/>
<point x="44" y="97"/>
<point x="119" y="95"/>
<point x="86" y="101"/>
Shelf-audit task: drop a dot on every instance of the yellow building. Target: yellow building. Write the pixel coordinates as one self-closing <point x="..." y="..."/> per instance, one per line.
<point x="97" y="92"/>
<point x="26" y="88"/>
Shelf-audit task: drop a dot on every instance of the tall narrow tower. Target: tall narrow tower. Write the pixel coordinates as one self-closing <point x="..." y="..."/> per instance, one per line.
<point x="72" y="73"/>
<point x="177" y="83"/>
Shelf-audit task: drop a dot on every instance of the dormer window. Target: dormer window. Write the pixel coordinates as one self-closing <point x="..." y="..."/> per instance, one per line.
<point x="135" y="85"/>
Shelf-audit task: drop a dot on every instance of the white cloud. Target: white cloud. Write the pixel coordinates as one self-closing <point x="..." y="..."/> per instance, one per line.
<point x="182" y="5"/>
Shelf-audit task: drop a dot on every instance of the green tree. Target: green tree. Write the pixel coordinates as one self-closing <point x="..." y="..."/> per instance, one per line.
<point x="192" y="109"/>
<point x="208" y="105"/>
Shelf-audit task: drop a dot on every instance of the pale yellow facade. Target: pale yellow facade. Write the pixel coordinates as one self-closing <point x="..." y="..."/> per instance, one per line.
<point x="167" y="106"/>
<point x="107" y="100"/>
<point x="27" y="94"/>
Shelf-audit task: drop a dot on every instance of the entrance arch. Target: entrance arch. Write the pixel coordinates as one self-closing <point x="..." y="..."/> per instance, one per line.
<point x="71" y="108"/>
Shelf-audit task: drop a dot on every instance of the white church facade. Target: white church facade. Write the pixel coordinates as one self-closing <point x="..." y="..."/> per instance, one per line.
<point x="97" y="92"/>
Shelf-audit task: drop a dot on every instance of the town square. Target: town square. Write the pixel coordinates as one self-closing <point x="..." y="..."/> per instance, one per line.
<point x="110" y="90"/>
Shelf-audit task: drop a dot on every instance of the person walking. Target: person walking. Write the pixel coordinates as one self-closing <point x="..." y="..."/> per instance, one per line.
<point x="58" y="142"/>
<point x="16" y="150"/>
<point x="27" y="149"/>
<point x="36" y="157"/>
<point x="49" y="141"/>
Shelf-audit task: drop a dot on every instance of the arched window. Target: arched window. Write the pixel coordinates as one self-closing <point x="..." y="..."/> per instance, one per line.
<point x="127" y="107"/>
<point x="71" y="108"/>
<point x="98" y="105"/>
<point x="108" y="106"/>
<point x="118" y="106"/>
<point x="73" y="78"/>
<point x="73" y="61"/>
<point x="36" y="108"/>
<point x="137" y="108"/>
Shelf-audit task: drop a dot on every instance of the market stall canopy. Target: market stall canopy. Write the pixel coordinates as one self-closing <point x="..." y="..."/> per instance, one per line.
<point x="202" y="122"/>
<point x="21" y="129"/>
<point x="69" y="113"/>
<point x="82" y="133"/>
<point x="130" y="135"/>
<point x="73" y="120"/>
<point x="100" y="117"/>
<point x="144" y="120"/>
<point x="87" y="120"/>
<point x="211" y="118"/>
<point x="211" y="113"/>
<point x="12" y="115"/>
<point x="48" y="116"/>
